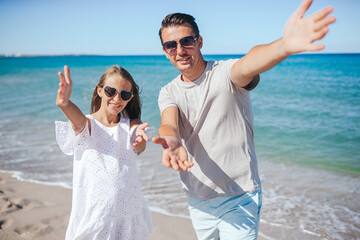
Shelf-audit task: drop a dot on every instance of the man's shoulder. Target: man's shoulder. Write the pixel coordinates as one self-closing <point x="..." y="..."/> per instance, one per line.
<point x="221" y="64"/>
<point x="172" y="83"/>
<point x="171" y="86"/>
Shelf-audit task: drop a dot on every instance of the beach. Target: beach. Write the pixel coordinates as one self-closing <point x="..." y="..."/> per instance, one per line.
<point x="38" y="211"/>
<point x="306" y="130"/>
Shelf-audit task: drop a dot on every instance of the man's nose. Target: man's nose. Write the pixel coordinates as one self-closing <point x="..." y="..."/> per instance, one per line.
<point x="180" y="49"/>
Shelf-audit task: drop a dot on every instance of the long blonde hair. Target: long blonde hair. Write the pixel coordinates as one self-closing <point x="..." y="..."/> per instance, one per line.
<point x="133" y="107"/>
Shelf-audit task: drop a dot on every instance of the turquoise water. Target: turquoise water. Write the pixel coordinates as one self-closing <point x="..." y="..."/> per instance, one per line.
<point x="307" y="109"/>
<point x="307" y="134"/>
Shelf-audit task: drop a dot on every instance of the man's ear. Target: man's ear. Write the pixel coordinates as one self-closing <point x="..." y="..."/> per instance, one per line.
<point x="200" y="40"/>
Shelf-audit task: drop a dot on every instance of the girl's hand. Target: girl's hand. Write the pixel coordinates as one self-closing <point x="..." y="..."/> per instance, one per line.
<point x="139" y="143"/>
<point x="65" y="88"/>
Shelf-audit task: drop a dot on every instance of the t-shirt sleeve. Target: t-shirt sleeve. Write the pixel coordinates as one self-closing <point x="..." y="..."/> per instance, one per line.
<point x="166" y="99"/>
<point x="66" y="138"/>
<point x="254" y="82"/>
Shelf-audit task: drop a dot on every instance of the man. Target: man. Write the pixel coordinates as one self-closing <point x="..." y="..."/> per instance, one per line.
<point x="207" y="121"/>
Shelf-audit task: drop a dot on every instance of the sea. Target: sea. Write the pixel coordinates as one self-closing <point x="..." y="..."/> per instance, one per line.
<point x="306" y="126"/>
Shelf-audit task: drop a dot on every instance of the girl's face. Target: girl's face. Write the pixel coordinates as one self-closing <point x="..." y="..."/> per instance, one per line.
<point x="115" y="104"/>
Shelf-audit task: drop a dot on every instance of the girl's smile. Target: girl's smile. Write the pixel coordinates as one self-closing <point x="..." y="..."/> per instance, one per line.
<point x="111" y="106"/>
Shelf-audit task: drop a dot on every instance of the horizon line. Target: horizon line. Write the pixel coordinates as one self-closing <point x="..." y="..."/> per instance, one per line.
<point x="130" y="55"/>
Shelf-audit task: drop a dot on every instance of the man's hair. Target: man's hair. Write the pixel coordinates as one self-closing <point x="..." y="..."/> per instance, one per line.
<point x="177" y="19"/>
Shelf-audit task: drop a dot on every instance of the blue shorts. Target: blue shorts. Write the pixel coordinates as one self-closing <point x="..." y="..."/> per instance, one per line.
<point x="226" y="218"/>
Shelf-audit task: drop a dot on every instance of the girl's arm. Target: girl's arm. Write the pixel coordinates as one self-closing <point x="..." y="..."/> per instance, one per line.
<point x="72" y="112"/>
<point x="139" y="136"/>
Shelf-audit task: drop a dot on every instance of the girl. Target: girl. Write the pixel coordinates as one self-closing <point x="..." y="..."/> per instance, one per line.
<point x="107" y="202"/>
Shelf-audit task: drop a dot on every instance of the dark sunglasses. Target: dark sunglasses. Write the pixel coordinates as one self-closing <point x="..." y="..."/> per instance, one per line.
<point x="111" y="92"/>
<point x="186" y="42"/>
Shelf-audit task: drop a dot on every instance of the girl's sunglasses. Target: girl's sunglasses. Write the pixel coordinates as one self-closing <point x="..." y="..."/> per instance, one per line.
<point x="111" y="92"/>
<point x="186" y="42"/>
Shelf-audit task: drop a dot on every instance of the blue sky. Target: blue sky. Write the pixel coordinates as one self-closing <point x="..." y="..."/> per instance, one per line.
<point x="119" y="27"/>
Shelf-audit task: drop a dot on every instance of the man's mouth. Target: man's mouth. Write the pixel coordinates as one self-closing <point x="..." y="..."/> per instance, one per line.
<point x="184" y="59"/>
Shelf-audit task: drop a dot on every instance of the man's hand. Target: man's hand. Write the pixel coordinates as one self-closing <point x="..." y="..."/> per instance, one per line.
<point x="65" y="88"/>
<point x="300" y="32"/>
<point x="174" y="154"/>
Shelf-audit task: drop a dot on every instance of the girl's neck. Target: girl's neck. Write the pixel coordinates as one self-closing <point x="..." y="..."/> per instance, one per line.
<point x="106" y="119"/>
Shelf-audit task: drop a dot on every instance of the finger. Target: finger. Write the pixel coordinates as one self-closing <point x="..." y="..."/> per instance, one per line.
<point x="183" y="154"/>
<point x="188" y="164"/>
<point x="316" y="47"/>
<point x="320" y="34"/>
<point x="321" y="14"/>
<point x="61" y="77"/>
<point x="145" y="137"/>
<point x="67" y="74"/>
<point x="166" y="160"/>
<point x="143" y="126"/>
<point x="60" y="93"/>
<point x="174" y="163"/>
<point x="160" y="140"/>
<point x="304" y="6"/>
<point x="139" y="139"/>
<point x="182" y="166"/>
<point x="324" y="23"/>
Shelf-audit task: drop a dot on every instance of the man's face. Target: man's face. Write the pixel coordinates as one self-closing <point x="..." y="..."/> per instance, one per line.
<point x="183" y="58"/>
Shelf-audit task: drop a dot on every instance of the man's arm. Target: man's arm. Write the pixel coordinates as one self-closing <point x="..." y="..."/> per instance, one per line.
<point x="174" y="153"/>
<point x="299" y="35"/>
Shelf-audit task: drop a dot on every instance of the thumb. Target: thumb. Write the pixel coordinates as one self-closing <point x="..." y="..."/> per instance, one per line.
<point x="160" y="140"/>
<point x="143" y="126"/>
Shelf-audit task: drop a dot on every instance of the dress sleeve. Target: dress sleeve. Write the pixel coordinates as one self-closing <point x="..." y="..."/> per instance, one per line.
<point x="66" y="138"/>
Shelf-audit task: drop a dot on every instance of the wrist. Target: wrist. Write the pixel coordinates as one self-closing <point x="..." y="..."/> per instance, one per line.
<point x="283" y="48"/>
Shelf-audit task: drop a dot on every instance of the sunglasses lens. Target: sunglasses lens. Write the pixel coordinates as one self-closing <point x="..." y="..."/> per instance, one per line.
<point x="187" y="42"/>
<point x="125" y="95"/>
<point x="109" y="91"/>
<point x="170" y="46"/>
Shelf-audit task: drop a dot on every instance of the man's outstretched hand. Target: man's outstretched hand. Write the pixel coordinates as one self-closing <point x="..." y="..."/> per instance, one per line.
<point x="300" y="32"/>
<point x="174" y="153"/>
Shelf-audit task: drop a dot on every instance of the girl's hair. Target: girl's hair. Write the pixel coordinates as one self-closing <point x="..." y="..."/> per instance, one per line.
<point x="133" y="107"/>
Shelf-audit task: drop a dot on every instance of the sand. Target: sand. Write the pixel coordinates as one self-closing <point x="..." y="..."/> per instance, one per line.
<point x="36" y="211"/>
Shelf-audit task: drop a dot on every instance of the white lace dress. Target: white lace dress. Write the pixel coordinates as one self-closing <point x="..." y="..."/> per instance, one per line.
<point x="107" y="202"/>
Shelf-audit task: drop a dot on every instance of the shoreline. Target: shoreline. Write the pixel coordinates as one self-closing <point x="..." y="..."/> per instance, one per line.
<point x="33" y="210"/>
<point x="30" y="210"/>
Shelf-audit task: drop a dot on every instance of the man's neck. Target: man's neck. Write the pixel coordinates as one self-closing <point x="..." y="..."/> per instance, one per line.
<point x="195" y="73"/>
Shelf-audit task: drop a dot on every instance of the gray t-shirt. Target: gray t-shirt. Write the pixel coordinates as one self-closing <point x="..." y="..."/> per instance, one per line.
<point x="216" y="127"/>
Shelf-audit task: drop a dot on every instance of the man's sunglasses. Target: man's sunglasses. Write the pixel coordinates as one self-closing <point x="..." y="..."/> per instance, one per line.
<point x="111" y="92"/>
<point x="186" y="42"/>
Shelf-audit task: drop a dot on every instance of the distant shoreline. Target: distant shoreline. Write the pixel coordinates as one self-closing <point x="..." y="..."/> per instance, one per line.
<point x="139" y="55"/>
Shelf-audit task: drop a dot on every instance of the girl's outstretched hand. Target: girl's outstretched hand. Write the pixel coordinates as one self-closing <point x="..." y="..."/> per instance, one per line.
<point x="140" y="138"/>
<point x="65" y="88"/>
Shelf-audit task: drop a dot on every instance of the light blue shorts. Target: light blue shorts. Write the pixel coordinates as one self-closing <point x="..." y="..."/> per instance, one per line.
<point x="226" y="218"/>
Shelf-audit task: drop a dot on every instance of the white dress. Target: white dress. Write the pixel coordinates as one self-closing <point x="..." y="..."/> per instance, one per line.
<point x="107" y="202"/>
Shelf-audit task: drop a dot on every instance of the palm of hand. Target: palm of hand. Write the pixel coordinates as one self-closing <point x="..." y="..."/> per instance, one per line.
<point x="300" y="32"/>
<point x="65" y="88"/>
